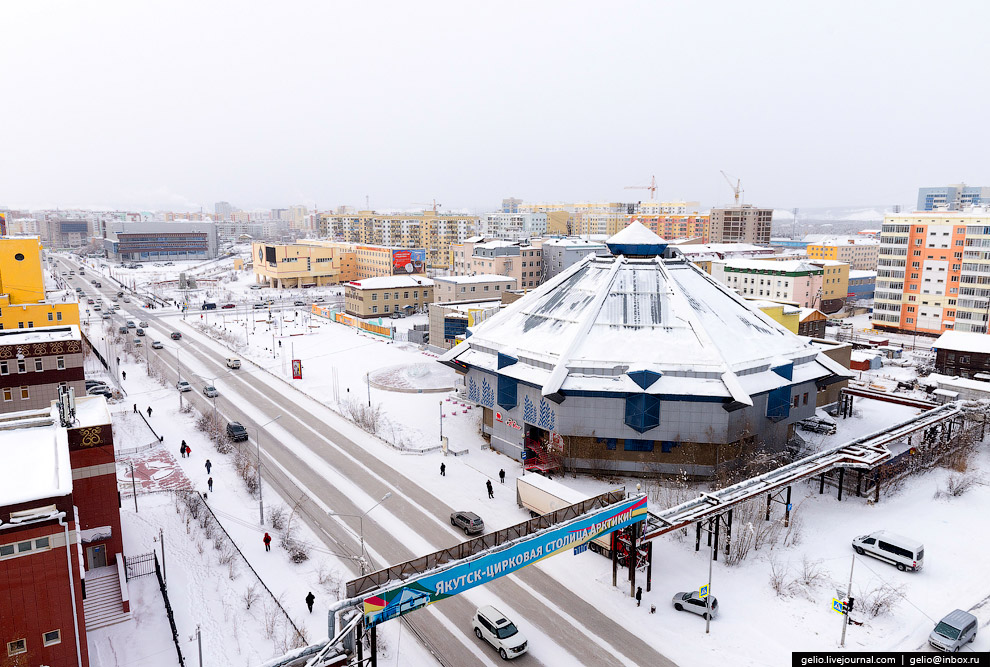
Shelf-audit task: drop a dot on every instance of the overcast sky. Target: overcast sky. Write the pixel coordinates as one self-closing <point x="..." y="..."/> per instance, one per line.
<point x="179" y="104"/>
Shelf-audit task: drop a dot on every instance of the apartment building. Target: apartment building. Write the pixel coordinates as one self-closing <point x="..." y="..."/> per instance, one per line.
<point x="431" y="231"/>
<point x="24" y="303"/>
<point x="375" y="297"/>
<point x="973" y="305"/>
<point x="952" y="197"/>
<point x="835" y="284"/>
<point x="34" y="363"/>
<point x="668" y="207"/>
<point x="471" y="288"/>
<point x="561" y="254"/>
<point x="514" y="226"/>
<point x="672" y="226"/>
<point x="741" y="224"/>
<point x="516" y="259"/>
<point x="796" y="281"/>
<point x="859" y="253"/>
<point x="919" y="270"/>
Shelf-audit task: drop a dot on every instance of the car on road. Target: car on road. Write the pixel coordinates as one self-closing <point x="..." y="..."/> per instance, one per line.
<point x="140" y="332"/>
<point x="210" y="391"/>
<point x="122" y="330"/>
<point x="228" y="305"/>
<point x="469" y="522"/>
<point x="182" y="385"/>
<point x="97" y="284"/>
<point x="130" y="324"/>
<point x="694" y="603"/>
<point x="956" y="629"/>
<point x="236" y="431"/>
<point x="106" y="316"/>
<point x="97" y="307"/>
<point x="298" y="302"/>
<point x="143" y="324"/>
<point x="255" y="286"/>
<point x="320" y="299"/>
<point x="495" y="628"/>
<point x="233" y="362"/>
<point x="137" y="342"/>
<point x="90" y="301"/>
<point x="125" y="299"/>
<point x="259" y="306"/>
<point x="157" y="345"/>
<point x="113" y="298"/>
<point x="175" y="335"/>
<point x="209" y="306"/>
<point x="120" y="293"/>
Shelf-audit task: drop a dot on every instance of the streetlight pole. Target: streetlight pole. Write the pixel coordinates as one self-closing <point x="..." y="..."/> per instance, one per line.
<point x="261" y="504"/>
<point x="178" y="375"/>
<point x="360" y="518"/>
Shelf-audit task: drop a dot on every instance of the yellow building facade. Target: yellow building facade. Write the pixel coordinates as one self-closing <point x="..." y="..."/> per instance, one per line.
<point x="303" y="264"/>
<point x="24" y="303"/>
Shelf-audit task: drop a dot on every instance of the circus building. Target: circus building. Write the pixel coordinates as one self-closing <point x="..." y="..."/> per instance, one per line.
<point x="638" y="363"/>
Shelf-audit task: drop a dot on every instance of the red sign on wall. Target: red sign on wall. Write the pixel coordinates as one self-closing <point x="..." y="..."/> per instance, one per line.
<point x="297" y="369"/>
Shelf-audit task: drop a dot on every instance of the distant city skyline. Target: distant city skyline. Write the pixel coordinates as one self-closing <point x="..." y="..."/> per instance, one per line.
<point x="119" y="105"/>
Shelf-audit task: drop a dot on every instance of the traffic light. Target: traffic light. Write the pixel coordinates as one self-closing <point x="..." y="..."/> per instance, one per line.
<point x="849" y="605"/>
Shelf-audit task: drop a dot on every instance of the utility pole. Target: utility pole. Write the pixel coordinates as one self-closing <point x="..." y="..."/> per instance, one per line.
<point x="368" y="375"/>
<point x="845" y="616"/>
<point x="711" y="558"/>
<point x="199" y="642"/>
<point x="161" y="538"/>
<point x="134" y="488"/>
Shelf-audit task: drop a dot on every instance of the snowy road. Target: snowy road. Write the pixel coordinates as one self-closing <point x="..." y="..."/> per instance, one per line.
<point x="311" y="446"/>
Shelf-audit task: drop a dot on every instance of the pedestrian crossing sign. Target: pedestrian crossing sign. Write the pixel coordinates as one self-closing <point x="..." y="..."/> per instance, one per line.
<point x="703" y="592"/>
<point x="837" y="606"/>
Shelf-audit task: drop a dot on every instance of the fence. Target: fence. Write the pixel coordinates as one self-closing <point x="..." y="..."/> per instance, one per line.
<point x="139" y="566"/>
<point x="168" y="609"/>
<point x="95" y="352"/>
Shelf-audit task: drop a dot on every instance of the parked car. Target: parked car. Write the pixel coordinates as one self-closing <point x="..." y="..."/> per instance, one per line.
<point x="113" y="298"/>
<point x="95" y="383"/>
<point x="236" y="431"/>
<point x="176" y="335"/>
<point x="157" y="345"/>
<point x="956" y="629"/>
<point x="492" y="625"/>
<point x="904" y="552"/>
<point x="320" y="299"/>
<point x="228" y="305"/>
<point x="120" y="293"/>
<point x="182" y="385"/>
<point x="469" y="522"/>
<point x="98" y="284"/>
<point x="103" y="390"/>
<point x="140" y="332"/>
<point x="693" y="602"/>
<point x="125" y="299"/>
<point x="210" y="391"/>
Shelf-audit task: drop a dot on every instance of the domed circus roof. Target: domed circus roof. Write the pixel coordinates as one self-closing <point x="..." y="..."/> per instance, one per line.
<point x="639" y="323"/>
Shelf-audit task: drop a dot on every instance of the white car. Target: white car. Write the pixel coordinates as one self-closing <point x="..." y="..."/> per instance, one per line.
<point x="210" y="391"/>
<point x="182" y="385"/>
<point x="492" y="625"/>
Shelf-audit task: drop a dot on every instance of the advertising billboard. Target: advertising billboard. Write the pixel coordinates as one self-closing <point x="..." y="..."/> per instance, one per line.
<point x="483" y="569"/>
<point x="296" y="369"/>
<point x="405" y="262"/>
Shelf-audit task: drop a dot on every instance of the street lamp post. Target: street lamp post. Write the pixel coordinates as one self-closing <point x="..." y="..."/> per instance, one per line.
<point x="360" y="518"/>
<point x="261" y="504"/>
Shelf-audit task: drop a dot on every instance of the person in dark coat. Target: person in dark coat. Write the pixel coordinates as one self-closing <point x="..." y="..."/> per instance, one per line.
<point x="182" y="449"/>
<point x="268" y="542"/>
<point x="443" y="469"/>
<point x="209" y="483"/>
<point x="135" y="408"/>
<point x="149" y="410"/>
<point x="639" y="595"/>
<point x="501" y="475"/>
<point x="310" y="599"/>
<point x="491" y="492"/>
<point x="208" y="466"/>
<point x="123" y="375"/>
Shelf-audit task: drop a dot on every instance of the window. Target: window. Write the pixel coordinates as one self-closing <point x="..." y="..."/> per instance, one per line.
<point x="24" y="394"/>
<point x="38" y="365"/>
<point x="4" y="368"/>
<point x="374" y="309"/>
<point x="507" y="392"/>
<point x="8" y="394"/>
<point x="50" y="317"/>
<point x="805" y="399"/>
<point x="386" y="296"/>
<point x="374" y="297"/>
<point x="21" y="366"/>
<point x="797" y="400"/>
<point x="631" y="445"/>
<point x="16" y="647"/>
<point x="60" y="363"/>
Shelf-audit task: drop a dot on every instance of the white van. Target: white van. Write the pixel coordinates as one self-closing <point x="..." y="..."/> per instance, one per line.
<point x="233" y="362"/>
<point x="905" y="553"/>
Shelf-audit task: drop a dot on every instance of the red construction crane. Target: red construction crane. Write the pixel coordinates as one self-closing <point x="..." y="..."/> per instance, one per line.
<point x="434" y="205"/>
<point x="652" y="187"/>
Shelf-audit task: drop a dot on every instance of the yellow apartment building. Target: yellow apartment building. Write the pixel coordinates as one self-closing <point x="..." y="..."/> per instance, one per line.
<point x="859" y="253"/>
<point x="23" y="301"/>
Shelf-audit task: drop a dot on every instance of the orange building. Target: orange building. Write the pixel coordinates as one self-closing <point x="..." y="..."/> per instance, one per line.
<point x="676" y="226"/>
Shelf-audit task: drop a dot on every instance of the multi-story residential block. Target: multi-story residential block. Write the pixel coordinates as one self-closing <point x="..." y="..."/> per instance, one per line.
<point x="375" y="297"/>
<point x="795" y="281"/>
<point x="952" y="197"/>
<point x="34" y="363"/>
<point x="514" y="226"/>
<point x="973" y="306"/>
<point x="741" y="224"/>
<point x="511" y="205"/>
<point x="223" y="209"/>
<point x="703" y="254"/>
<point x="919" y="270"/>
<point x="668" y="207"/>
<point x="471" y="288"/>
<point x="672" y="226"/>
<point x="517" y="259"/>
<point x="859" y="253"/>
<point x="153" y="241"/>
<point x="434" y="232"/>
<point x="862" y="284"/>
<point x="835" y="284"/>
<point x="561" y="254"/>
<point x="24" y="303"/>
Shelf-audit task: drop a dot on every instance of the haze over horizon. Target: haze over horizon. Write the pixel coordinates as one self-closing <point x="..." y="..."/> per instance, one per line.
<point x="179" y="105"/>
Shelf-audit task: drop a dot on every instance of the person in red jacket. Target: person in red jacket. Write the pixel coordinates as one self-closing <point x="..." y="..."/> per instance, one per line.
<point x="268" y="542"/>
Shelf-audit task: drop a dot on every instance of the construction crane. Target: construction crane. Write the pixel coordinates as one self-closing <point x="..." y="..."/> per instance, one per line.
<point x="432" y="204"/>
<point x="652" y="187"/>
<point x="735" y="188"/>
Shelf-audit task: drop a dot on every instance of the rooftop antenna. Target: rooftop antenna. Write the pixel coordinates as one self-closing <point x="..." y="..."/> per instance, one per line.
<point x="66" y="406"/>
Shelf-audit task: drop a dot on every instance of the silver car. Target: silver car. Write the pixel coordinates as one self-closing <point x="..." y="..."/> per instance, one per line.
<point x="694" y="603"/>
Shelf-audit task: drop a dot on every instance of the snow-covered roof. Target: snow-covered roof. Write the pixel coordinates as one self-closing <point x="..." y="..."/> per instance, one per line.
<point x="466" y="306"/>
<point x="723" y="248"/>
<point x="636" y="240"/>
<point x="92" y="411"/>
<point x="788" y="266"/>
<point x="963" y="341"/>
<point x="604" y="316"/>
<point x="574" y="243"/>
<point x="855" y="274"/>
<point x="958" y="382"/>
<point x="466" y="280"/>
<point x="35" y="455"/>
<point x="39" y="335"/>
<point x="389" y="282"/>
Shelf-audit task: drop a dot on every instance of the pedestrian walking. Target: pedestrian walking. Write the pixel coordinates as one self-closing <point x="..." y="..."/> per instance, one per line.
<point x="208" y="466"/>
<point x="639" y="595"/>
<point x="188" y="451"/>
<point x="135" y="408"/>
<point x="310" y="599"/>
<point x="209" y="483"/>
<point x="501" y="475"/>
<point x="182" y="449"/>
<point x="491" y="492"/>
<point x="268" y="542"/>
<point x="123" y="375"/>
<point x="443" y="469"/>
<point x="149" y="410"/>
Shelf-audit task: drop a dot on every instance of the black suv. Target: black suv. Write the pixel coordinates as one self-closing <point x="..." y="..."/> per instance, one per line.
<point x="236" y="431"/>
<point x="468" y="521"/>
